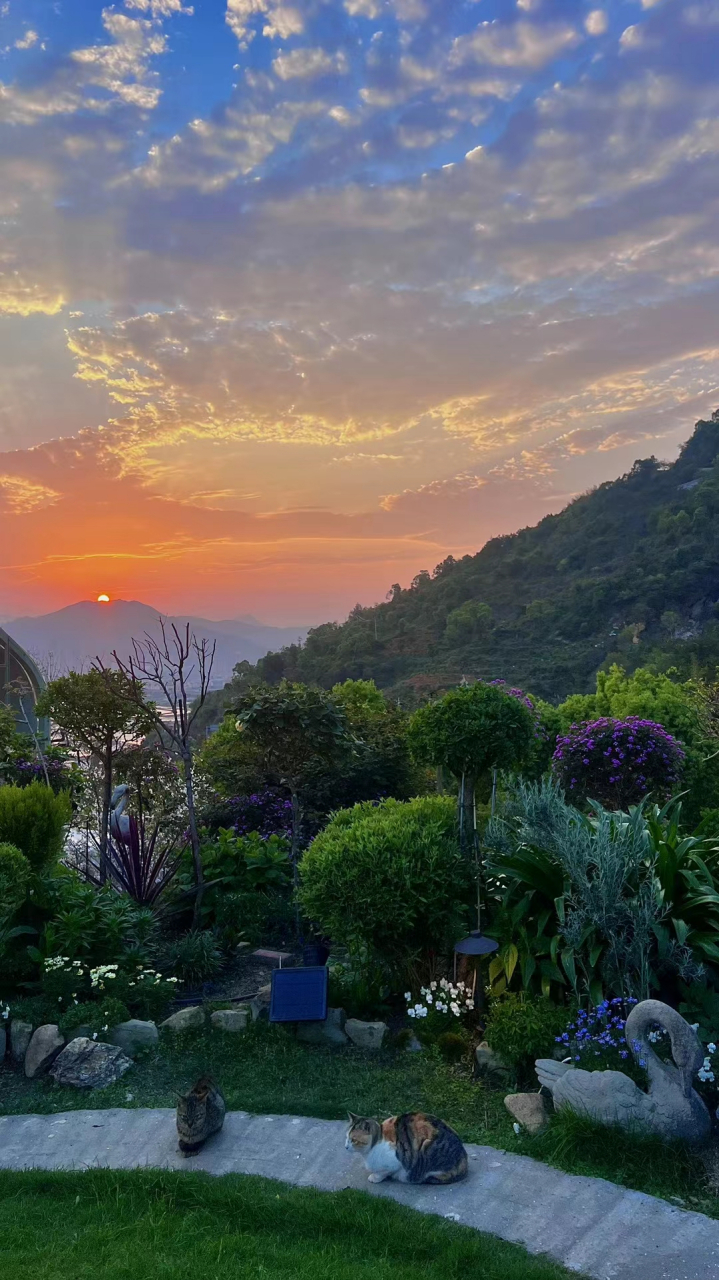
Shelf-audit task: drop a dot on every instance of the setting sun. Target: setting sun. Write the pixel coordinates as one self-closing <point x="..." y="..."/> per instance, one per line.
<point x="103" y="599"/>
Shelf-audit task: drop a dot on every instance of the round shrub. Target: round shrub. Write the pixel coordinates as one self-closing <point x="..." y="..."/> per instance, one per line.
<point x="388" y="882"/>
<point x="15" y="872"/>
<point x="617" y="762"/>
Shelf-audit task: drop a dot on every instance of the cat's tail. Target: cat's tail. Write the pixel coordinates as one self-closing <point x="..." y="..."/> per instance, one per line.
<point x="455" y="1174"/>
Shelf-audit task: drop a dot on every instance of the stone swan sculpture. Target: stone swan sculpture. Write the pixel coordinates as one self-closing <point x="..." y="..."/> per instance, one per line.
<point x="671" y="1108"/>
<point x="119" y="820"/>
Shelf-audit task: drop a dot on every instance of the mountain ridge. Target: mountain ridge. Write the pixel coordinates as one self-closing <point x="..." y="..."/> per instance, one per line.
<point x="72" y="637"/>
<point x="628" y="572"/>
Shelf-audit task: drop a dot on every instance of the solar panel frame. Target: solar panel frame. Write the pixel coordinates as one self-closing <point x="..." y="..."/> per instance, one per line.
<point x="299" y="994"/>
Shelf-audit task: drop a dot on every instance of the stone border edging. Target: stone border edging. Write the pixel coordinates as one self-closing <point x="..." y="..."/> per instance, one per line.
<point x="590" y="1225"/>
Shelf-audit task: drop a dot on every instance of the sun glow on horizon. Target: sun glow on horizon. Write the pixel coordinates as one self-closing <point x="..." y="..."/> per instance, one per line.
<point x="103" y="599"/>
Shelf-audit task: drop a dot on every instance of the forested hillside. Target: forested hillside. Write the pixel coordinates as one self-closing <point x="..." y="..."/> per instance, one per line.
<point x="628" y="572"/>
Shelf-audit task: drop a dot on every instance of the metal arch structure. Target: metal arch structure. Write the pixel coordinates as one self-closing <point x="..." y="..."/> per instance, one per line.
<point x="19" y="672"/>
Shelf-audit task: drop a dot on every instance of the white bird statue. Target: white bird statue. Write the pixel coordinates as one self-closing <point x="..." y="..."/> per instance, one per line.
<point x="671" y="1108"/>
<point x="119" y="820"/>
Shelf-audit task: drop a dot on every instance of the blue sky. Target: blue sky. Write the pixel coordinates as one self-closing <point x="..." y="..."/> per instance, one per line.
<point x="298" y="296"/>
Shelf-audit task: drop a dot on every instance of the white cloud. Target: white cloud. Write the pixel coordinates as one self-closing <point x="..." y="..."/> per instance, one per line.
<point x="121" y="68"/>
<point x="363" y="8"/>
<point x="160" y="8"/>
<point x="307" y="64"/>
<point x="632" y="37"/>
<point x="281" y="20"/>
<point x="596" y="22"/>
<point x="28" y="40"/>
<point x="519" y="44"/>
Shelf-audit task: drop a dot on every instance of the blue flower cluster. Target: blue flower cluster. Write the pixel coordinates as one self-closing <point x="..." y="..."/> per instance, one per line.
<point x="599" y="1031"/>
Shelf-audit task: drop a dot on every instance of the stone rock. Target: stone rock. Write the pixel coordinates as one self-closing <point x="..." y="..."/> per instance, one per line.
<point x="232" y="1020"/>
<point x="331" y="1031"/>
<point x="89" y="1064"/>
<point x="3" y="1042"/>
<point x="42" y="1050"/>
<point x="527" y="1109"/>
<point x="489" y="1065"/>
<point x="133" y="1035"/>
<point x="260" y="1006"/>
<point x="20" y="1037"/>
<point x="185" y="1019"/>
<point x="366" y="1035"/>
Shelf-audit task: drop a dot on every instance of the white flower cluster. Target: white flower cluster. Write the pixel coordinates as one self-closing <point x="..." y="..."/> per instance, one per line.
<point x="444" y="996"/>
<point x="99" y="976"/>
<point x="63" y="962"/>
<point x="152" y="976"/>
<point x="705" y="1073"/>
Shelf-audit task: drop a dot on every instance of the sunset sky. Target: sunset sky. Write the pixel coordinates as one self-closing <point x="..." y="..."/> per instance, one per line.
<point x="299" y="296"/>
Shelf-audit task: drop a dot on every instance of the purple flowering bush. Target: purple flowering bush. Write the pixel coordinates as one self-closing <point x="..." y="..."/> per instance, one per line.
<point x="267" y="812"/>
<point x="617" y="762"/>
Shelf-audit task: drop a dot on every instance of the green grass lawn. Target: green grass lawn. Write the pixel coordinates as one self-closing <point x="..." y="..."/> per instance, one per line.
<point x="267" y="1070"/>
<point x="166" y="1226"/>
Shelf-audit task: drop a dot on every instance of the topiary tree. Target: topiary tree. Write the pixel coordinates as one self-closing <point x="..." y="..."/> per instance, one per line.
<point x="617" y="762"/>
<point x="35" y="820"/>
<point x="388" y="882"/>
<point x="471" y="731"/>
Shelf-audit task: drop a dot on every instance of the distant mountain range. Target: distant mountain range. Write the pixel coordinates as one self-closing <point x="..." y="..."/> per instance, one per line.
<point x="70" y="639"/>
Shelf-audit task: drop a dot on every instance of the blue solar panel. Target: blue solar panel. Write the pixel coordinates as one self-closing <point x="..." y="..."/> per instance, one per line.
<point x="299" y="995"/>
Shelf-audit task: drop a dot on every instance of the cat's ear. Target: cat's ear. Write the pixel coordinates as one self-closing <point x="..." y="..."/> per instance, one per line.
<point x="352" y="1117"/>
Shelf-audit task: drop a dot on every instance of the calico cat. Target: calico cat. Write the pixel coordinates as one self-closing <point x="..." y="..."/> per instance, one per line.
<point x="200" y="1113"/>
<point x="413" y="1147"/>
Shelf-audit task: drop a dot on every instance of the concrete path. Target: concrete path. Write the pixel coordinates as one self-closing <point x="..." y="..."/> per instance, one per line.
<point x="590" y="1225"/>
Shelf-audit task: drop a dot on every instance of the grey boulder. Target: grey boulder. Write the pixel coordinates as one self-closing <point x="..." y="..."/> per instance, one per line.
<point x="133" y="1035"/>
<point x="232" y="1020"/>
<point x="89" y="1064"/>
<point x="42" y="1050"/>
<point x="331" y="1031"/>
<point x="185" y="1019"/>
<point x="528" y="1110"/>
<point x="366" y="1035"/>
<point x="20" y="1037"/>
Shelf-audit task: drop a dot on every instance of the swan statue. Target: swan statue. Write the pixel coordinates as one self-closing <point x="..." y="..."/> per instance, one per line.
<point x="671" y="1108"/>
<point x="119" y="820"/>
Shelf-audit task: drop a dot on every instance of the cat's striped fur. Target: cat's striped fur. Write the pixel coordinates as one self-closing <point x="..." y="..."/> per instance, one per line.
<point x="200" y="1113"/>
<point x="412" y="1147"/>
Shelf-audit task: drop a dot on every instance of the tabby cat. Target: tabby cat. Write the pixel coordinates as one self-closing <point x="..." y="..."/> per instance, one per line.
<point x="200" y="1113"/>
<point x="413" y="1147"/>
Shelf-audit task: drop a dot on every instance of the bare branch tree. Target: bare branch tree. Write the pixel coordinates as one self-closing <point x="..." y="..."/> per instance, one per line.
<point x="179" y="666"/>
